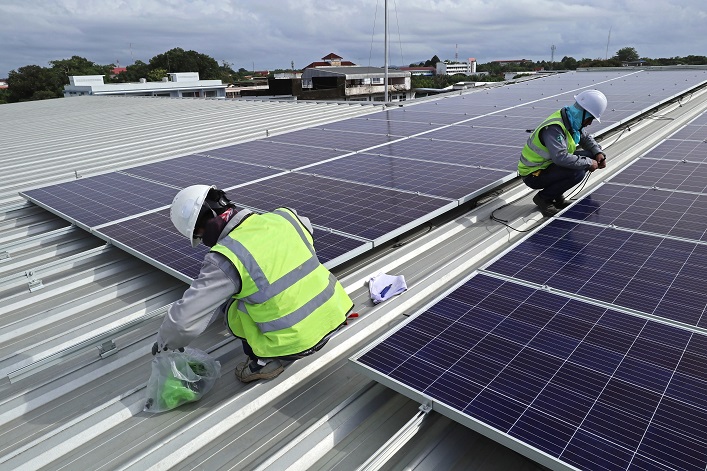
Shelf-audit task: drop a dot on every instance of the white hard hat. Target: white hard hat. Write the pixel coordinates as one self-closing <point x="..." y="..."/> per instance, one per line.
<point x="593" y="102"/>
<point x="185" y="210"/>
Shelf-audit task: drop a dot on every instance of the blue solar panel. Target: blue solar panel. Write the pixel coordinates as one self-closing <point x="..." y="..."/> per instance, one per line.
<point x="591" y="387"/>
<point x="379" y="126"/>
<point x="667" y="174"/>
<point x="692" y="132"/>
<point x="360" y="210"/>
<point x="198" y="169"/>
<point x="96" y="200"/>
<point x="675" y="149"/>
<point x="153" y="238"/>
<point x="651" y="274"/>
<point x="348" y="141"/>
<point x="274" y="154"/>
<point x="448" y="181"/>
<point x="664" y="212"/>
<point x="480" y="135"/>
<point x="462" y="153"/>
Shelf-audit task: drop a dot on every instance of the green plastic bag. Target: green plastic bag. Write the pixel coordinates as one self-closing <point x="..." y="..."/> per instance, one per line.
<point x="180" y="377"/>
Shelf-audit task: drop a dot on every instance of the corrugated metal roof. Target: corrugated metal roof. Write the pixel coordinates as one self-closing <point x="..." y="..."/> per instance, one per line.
<point x="64" y="294"/>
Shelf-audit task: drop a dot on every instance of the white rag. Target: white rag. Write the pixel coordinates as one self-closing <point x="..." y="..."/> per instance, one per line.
<point x="382" y="286"/>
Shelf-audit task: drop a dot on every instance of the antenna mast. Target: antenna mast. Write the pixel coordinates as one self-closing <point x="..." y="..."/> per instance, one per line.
<point x="607" y="44"/>
<point x="385" y="74"/>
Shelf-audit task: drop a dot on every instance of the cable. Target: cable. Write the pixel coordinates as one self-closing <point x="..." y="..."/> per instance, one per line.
<point x="400" y="42"/>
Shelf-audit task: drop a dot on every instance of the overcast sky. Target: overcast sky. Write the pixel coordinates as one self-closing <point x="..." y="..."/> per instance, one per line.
<point x="270" y="34"/>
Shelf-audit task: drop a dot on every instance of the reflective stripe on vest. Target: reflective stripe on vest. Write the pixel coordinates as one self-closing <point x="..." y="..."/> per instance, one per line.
<point x="541" y="152"/>
<point x="298" y="314"/>
<point x="267" y="290"/>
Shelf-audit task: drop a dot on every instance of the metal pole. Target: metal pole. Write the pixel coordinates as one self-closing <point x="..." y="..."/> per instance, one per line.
<point x="385" y="75"/>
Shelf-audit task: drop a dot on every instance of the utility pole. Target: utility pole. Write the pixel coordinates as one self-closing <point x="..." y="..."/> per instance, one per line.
<point x="552" y="56"/>
<point x="385" y="74"/>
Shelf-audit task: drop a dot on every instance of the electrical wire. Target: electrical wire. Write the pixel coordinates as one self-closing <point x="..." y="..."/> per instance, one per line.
<point x="400" y="42"/>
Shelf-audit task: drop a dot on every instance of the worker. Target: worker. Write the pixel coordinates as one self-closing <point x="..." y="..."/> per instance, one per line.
<point x="262" y="275"/>
<point x="550" y="160"/>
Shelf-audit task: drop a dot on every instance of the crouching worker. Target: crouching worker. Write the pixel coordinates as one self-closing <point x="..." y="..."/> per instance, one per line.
<point x="551" y="161"/>
<point x="262" y="274"/>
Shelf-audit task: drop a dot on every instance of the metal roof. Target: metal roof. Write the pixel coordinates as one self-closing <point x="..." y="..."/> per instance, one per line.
<point x="78" y="316"/>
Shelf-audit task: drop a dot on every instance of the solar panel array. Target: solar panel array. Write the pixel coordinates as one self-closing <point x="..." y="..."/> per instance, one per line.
<point x="585" y="345"/>
<point x="367" y="179"/>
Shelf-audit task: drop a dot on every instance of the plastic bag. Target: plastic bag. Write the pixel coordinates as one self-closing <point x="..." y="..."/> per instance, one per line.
<point x="180" y="377"/>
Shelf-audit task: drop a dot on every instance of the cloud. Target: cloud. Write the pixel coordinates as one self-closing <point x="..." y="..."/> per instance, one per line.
<point x="271" y="34"/>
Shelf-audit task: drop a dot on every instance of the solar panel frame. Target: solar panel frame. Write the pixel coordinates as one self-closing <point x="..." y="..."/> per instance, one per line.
<point x="83" y="201"/>
<point x="664" y="174"/>
<point x="153" y="239"/>
<point x="274" y="154"/>
<point x="188" y="170"/>
<point x="362" y="211"/>
<point x="456" y="182"/>
<point x="563" y="406"/>
<point x="670" y="213"/>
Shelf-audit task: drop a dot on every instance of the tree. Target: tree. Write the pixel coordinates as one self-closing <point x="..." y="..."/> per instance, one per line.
<point x="25" y="83"/>
<point x="134" y="72"/>
<point x="156" y="75"/>
<point x="179" y="60"/>
<point x="569" y="63"/>
<point x="432" y="62"/>
<point x="626" y="54"/>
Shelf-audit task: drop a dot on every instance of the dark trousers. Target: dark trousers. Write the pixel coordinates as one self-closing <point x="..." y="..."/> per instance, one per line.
<point x="554" y="181"/>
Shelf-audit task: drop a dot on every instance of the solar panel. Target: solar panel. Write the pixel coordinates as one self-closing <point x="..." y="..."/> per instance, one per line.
<point x="444" y="180"/>
<point x="566" y="383"/>
<point x="671" y="213"/>
<point x="92" y="201"/>
<point x="667" y="174"/>
<point x="692" y="132"/>
<point x="274" y="154"/>
<point x="674" y="149"/>
<point x="462" y="153"/>
<point x="154" y="239"/>
<point x="478" y="135"/>
<point x="379" y="126"/>
<point x="368" y="212"/>
<point x="182" y="172"/>
<point x="349" y="141"/>
<point x="650" y="274"/>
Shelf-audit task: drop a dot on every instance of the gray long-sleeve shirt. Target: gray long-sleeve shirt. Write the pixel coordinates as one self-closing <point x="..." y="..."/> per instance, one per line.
<point x="553" y="137"/>
<point x="205" y="300"/>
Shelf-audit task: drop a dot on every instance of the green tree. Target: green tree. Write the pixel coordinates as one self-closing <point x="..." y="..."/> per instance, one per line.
<point x="134" y="72"/>
<point x="179" y="60"/>
<point x="568" y="63"/>
<point x="626" y="54"/>
<point x="432" y="62"/>
<point x="78" y="66"/>
<point x="26" y="83"/>
<point x="156" y="75"/>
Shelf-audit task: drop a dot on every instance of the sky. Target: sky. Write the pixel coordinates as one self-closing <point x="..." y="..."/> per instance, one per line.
<point x="271" y="34"/>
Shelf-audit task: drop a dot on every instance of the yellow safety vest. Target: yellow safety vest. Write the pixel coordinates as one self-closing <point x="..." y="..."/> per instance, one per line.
<point x="288" y="300"/>
<point x="535" y="155"/>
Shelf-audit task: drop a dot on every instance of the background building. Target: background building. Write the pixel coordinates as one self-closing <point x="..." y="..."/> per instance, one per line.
<point x="177" y="85"/>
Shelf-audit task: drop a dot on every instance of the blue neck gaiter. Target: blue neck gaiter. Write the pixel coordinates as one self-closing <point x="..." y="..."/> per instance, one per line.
<point x="574" y="114"/>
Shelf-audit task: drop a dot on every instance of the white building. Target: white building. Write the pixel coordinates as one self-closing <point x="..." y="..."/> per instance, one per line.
<point x="465" y="68"/>
<point x="359" y="83"/>
<point x="177" y="85"/>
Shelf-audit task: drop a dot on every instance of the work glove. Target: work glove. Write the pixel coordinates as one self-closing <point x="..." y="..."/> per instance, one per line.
<point x="156" y="349"/>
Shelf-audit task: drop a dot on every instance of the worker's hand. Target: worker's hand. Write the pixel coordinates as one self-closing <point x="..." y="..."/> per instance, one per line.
<point x="593" y="166"/>
<point x="156" y="349"/>
<point x="600" y="159"/>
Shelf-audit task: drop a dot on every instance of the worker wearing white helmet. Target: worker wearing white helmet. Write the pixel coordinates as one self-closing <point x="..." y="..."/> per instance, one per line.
<point x="550" y="160"/>
<point x="262" y="274"/>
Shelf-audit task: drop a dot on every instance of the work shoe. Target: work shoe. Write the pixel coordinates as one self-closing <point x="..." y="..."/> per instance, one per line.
<point x="250" y="370"/>
<point x="561" y="203"/>
<point x="547" y="208"/>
